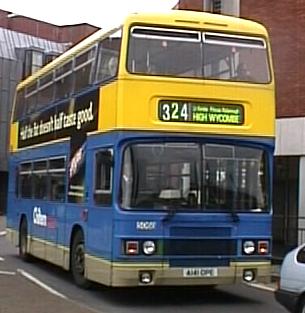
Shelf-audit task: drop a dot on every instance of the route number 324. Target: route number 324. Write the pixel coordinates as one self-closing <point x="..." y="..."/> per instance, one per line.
<point x="173" y="111"/>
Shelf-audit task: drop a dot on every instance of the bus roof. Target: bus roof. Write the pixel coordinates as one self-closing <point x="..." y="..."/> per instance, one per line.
<point x="174" y="18"/>
<point x="199" y="20"/>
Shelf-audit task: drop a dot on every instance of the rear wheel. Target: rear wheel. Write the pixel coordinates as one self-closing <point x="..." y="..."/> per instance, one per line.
<point x="23" y="241"/>
<point x="78" y="261"/>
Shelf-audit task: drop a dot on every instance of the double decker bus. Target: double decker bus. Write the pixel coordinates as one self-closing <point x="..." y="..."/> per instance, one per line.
<point x="143" y="155"/>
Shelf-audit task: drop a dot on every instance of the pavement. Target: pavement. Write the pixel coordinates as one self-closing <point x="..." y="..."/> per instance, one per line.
<point x="33" y="298"/>
<point x="19" y="292"/>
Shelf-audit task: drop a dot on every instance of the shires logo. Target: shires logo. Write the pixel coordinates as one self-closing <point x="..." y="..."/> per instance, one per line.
<point x="43" y="220"/>
<point x="39" y="218"/>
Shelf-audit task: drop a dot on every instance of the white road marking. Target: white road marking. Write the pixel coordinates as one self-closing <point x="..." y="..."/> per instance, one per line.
<point x="41" y="284"/>
<point x="1" y="259"/>
<point x="2" y="233"/>
<point x="7" y="273"/>
<point x="262" y="287"/>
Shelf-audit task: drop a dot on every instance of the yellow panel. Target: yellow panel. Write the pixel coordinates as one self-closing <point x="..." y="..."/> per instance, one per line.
<point x="131" y="102"/>
<point x="14" y="137"/>
<point x="107" y="107"/>
<point x="138" y="105"/>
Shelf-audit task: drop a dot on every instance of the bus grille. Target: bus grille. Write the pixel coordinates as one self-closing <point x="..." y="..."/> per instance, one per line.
<point x="200" y="247"/>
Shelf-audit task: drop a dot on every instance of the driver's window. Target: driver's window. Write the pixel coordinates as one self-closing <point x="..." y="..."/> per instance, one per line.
<point x="103" y="177"/>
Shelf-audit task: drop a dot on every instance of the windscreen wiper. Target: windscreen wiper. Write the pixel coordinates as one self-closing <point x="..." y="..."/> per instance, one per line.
<point x="234" y="215"/>
<point x="171" y="211"/>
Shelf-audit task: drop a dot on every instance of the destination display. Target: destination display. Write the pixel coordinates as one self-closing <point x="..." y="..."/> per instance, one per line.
<point x="200" y="112"/>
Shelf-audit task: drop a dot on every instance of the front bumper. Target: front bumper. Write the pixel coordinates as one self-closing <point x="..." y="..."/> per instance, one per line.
<point x="163" y="275"/>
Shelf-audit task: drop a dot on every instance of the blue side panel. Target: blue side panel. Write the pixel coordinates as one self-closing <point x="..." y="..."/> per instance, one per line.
<point x="185" y="230"/>
<point x="49" y="216"/>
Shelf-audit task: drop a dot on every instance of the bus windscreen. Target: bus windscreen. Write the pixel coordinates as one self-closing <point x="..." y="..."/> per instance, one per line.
<point x="189" y="176"/>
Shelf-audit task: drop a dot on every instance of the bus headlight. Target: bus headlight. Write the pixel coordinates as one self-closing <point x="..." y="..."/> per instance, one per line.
<point x="249" y="247"/>
<point x="149" y="247"/>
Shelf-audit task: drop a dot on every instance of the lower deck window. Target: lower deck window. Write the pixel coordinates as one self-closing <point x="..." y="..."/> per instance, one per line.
<point x="43" y="179"/>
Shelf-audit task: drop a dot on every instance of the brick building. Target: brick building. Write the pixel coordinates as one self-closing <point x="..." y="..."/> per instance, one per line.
<point x="26" y="45"/>
<point x="285" y="26"/>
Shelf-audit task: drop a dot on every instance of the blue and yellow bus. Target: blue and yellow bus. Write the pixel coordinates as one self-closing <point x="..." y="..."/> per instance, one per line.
<point x="143" y="155"/>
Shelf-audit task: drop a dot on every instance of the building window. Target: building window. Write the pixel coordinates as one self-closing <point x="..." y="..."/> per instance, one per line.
<point x="50" y="57"/>
<point x="216" y="6"/>
<point x="34" y="60"/>
<point x="213" y="6"/>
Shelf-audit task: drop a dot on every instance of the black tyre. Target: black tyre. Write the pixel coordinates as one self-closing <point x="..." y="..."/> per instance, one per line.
<point x="78" y="261"/>
<point x="23" y="242"/>
<point x="301" y="306"/>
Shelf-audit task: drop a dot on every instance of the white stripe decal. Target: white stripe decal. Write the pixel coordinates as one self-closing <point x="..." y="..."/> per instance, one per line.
<point x="7" y="273"/>
<point x="40" y="284"/>
<point x="262" y="287"/>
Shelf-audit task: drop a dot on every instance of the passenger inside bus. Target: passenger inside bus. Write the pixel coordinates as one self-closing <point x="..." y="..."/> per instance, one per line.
<point x="243" y="73"/>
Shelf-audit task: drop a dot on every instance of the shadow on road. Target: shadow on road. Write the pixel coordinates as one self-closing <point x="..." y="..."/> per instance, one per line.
<point x="144" y="296"/>
<point x="168" y="296"/>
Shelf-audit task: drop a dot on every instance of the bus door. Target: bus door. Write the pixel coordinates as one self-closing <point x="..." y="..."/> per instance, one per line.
<point x="99" y="223"/>
<point x="34" y="194"/>
<point x="55" y="210"/>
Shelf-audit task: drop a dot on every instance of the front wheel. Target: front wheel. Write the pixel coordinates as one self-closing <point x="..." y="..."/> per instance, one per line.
<point x="78" y="261"/>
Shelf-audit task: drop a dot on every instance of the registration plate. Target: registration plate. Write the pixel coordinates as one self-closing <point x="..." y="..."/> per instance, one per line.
<point x="200" y="272"/>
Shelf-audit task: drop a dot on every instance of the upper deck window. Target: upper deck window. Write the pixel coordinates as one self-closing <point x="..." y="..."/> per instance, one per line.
<point x="237" y="58"/>
<point x="46" y="90"/>
<point x="83" y="69"/>
<point x="185" y="53"/>
<point x="19" y="105"/>
<point x="31" y="97"/>
<point x="171" y="52"/>
<point x="108" y="56"/>
<point x="63" y="81"/>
